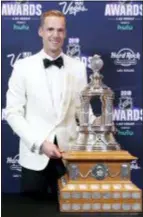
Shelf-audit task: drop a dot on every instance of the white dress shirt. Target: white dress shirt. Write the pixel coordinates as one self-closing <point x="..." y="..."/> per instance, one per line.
<point x="54" y="76"/>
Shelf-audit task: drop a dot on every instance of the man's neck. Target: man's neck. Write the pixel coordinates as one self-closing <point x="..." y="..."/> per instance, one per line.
<point x="52" y="54"/>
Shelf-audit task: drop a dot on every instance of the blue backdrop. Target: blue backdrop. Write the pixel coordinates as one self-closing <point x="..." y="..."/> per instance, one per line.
<point x="112" y="29"/>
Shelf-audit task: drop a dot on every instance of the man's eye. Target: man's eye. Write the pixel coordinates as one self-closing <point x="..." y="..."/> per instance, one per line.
<point x="50" y="29"/>
<point x="60" y="30"/>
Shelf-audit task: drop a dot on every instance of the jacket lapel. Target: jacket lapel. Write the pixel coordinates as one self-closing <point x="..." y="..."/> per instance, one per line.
<point x="67" y="90"/>
<point x="43" y="82"/>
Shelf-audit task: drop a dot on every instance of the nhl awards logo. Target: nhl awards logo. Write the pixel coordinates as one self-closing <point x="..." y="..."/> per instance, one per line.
<point x="74" y="50"/>
<point x="73" y="47"/>
<point x="126" y="115"/>
<point x="126" y="110"/>
<point x="124" y="12"/>
<point x="126" y="101"/>
<point x="20" y="12"/>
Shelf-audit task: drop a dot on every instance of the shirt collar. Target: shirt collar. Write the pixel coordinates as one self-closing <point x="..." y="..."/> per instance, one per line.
<point x="44" y="55"/>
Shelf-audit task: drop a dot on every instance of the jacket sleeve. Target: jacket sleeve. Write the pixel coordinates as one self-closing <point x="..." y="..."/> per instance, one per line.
<point x="14" y="113"/>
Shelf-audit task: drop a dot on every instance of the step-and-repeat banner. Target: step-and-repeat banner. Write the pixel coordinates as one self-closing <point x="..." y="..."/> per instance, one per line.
<point x="112" y="29"/>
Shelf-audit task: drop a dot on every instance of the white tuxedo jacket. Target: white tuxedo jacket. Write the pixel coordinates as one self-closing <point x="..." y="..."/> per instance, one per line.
<point x="29" y="109"/>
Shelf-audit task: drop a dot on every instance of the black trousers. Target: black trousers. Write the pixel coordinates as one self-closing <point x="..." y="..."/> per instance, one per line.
<point x="43" y="184"/>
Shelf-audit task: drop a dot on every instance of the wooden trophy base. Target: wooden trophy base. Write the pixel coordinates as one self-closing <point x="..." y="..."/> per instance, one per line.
<point x="98" y="182"/>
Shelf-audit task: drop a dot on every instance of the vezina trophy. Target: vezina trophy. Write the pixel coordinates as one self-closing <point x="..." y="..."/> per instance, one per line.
<point x="98" y="171"/>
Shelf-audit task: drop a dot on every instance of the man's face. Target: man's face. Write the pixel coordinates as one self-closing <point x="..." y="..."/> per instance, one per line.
<point x="53" y="34"/>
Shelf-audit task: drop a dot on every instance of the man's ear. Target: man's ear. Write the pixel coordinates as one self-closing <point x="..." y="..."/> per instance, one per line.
<point x="40" y="32"/>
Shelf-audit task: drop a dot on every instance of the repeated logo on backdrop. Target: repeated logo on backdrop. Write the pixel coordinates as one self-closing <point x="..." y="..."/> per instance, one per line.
<point x="21" y="12"/>
<point x="74" y="50"/>
<point x="14" y="166"/>
<point x="135" y="165"/>
<point x="125" y="59"/>
<point x="124" y="14"/>
<point x="72" y="7"/>
<point x="13" y="57"/>
<point x="127" y="114"/>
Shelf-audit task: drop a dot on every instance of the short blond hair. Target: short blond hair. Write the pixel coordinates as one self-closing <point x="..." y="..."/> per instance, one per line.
<point x="54" y="13"/>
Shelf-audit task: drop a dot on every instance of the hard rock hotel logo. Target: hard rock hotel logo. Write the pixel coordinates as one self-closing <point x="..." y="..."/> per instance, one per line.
<point x="135" y="165"/>
<point x="14" y="165"/>
<point x="125" y="59"/>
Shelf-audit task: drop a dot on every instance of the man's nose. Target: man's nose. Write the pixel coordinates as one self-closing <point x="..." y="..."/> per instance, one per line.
<point x="55" y="33"/>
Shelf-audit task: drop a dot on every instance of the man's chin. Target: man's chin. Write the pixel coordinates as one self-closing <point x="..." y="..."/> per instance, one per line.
<point x="56" y="50"/>
<point x="53" y="50"/>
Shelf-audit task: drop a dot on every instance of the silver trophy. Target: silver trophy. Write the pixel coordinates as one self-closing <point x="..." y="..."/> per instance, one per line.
<point x="98" y="134"/>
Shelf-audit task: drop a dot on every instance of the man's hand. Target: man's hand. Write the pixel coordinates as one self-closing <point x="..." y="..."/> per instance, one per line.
<point x="51" y="150"/>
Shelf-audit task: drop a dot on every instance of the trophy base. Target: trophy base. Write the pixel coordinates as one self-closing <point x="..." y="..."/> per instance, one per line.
<point x="98" y="182"/>
<point x="105" y="198"/>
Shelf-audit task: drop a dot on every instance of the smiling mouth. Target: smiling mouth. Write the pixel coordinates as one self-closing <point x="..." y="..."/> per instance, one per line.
<point x="55" y="42"/>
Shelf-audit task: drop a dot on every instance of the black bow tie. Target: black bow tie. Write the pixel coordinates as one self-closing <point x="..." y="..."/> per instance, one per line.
<point x="58" y="62"/>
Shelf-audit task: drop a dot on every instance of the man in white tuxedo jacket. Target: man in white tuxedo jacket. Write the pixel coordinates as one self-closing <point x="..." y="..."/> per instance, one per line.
<point x="42" y="102"/>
